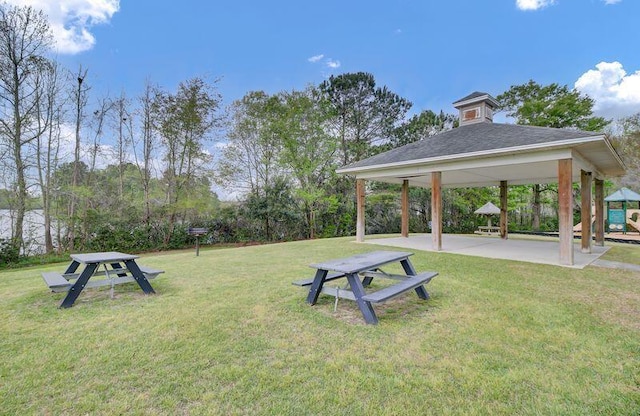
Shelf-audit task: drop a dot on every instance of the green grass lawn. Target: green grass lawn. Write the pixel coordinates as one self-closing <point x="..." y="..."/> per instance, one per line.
<point x="227" y="333"/>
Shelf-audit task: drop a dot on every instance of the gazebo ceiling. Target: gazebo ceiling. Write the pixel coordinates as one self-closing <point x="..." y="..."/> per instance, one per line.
<point x="483" y="154"/>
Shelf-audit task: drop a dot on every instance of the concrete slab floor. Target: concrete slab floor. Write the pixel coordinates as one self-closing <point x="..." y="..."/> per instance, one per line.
<point x="516" y="247"/>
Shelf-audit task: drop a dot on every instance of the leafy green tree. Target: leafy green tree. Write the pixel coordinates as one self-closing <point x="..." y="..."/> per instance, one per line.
<point x="550" y="105"/>
<point x="363" y="115"/>
<point x="307" y="151"/>
<point x="421" y="126"/>
<point x="362" y="118"/>
<point x="62" y="182"/>
<point x="628" y="146"/>
<point x="185" y="121"/>
<point x="274" y="212"/>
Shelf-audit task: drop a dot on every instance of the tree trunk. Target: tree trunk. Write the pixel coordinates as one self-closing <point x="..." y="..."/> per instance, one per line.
<point x="21" y="198"/>
<point x="76" y="164"/>
<point x="535" y="223"/>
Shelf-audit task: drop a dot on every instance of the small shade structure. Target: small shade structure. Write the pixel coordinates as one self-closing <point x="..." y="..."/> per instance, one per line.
<point x="488" y="209"/>
<point x="623" y="195"/>
<point x="620" y="218"/>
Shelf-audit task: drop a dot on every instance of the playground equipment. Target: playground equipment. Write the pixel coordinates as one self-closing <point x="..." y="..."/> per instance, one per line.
<point x="578" y="227"/>
<point x="630" y="219"/>
<point x="619" y="217"/>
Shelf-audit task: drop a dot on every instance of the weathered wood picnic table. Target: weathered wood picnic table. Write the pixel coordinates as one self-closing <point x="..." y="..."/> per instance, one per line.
<point x="118" y="268"/>
<point x="366" y="267"/>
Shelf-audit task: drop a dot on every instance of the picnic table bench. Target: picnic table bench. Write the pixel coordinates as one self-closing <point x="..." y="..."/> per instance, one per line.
<point x="60" y="282"/>
<point x="360" y="270"/>
<point x="118" y="268"/>
<point x="487" y="230"/>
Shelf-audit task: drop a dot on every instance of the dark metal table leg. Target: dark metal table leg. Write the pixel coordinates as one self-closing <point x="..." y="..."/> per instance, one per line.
<point x="118" y="266"/>
<point x="77" y="287"/>
<point x="368" y="279"/>
<point x="316" y="286"/>
<point x="139" y="276"/>
<point x="72" y="267"/>
<point x="365" y="307"/>
<point x="410" y="271"/>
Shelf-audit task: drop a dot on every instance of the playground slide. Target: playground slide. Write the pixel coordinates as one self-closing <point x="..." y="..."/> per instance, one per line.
<point x="630" y="222"/>
<point x="578" y="226"/>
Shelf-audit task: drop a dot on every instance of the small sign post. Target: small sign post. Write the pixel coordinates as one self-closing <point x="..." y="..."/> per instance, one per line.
<point x="197" y="232"/>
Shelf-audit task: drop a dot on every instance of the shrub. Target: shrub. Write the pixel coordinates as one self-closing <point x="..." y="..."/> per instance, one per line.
<point x="9" y="253"/>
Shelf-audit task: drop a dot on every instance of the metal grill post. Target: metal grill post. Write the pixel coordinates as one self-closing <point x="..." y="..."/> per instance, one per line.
<point x="197" y="232"/>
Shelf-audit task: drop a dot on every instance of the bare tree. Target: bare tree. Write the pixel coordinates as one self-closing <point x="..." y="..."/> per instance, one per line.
<point x="122" y="123"/>
<point x="25" y="39"/>
<point x="50" y="115"/>
<point x="80" y="99"/>
<point x="148" y="146"/>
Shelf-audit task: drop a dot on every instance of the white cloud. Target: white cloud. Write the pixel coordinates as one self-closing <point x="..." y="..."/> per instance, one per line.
<point x="327" y="62"/>
<point x="616" y="93"/>
<point x="612" y="1"/>
<point x="533" y="4"/>
<point x="71" y="20"/>
<point x="315" y="58"/>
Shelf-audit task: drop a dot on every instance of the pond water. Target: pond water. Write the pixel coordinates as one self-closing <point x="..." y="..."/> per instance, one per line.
<point x="33" y="230"/>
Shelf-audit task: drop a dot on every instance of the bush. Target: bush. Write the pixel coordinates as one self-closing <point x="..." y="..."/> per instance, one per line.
<point x="9" y="253"/>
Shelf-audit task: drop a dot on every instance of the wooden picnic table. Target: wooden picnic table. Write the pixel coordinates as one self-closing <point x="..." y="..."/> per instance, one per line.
<point x="366" y="267"/>
<point x="118" y="268"/>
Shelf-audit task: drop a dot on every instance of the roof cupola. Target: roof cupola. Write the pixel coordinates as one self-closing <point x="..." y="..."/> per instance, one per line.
<point x="476" y="108"/>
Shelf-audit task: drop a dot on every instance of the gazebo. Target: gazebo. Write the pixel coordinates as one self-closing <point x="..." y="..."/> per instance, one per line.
<point x="488" y="209"/>
<point x="481" y="153"/>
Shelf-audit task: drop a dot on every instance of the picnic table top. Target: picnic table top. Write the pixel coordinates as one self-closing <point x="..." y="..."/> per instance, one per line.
<point x="102" y="257"/>
<point x="361" y="262"/>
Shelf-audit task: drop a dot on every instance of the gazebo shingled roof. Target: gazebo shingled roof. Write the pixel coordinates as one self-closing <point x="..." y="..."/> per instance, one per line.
<point x="480" y="142"/>
<point x="473" y="138"/>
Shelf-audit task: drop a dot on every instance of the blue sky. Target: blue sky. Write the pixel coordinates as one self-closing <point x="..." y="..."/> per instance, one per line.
<point x="430" y="52"/>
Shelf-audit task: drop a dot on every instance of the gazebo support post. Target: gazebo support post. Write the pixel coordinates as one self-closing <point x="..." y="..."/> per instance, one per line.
<point x="585" y="211"/>
<point x="436" y="210"/>
<point x="360" y="210"/>
<point x="599" y="224"/>
<point x="405" y="208"/>
<point x="565" y="211"/>
<point x="503" y="211"/>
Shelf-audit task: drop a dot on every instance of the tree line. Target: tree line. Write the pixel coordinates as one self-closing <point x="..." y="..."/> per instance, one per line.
<point x="275" y="154"/>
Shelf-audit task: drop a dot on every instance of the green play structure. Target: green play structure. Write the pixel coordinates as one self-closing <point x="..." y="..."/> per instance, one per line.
<point x="620" y="216"/>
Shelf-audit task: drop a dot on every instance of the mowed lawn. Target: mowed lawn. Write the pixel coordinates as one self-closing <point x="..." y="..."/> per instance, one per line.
<point x="227" y="333"/>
